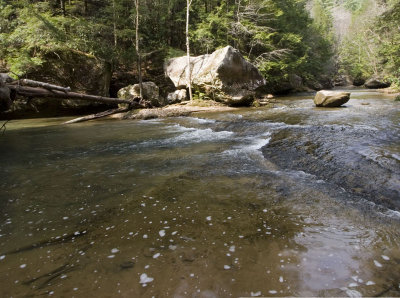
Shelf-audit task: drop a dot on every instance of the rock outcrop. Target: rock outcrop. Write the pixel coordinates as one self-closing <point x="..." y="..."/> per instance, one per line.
<point x="151" y="93"/>
<point x="331" y="98"/>
<point x="177" y="96"/>
<point x="376" y="83"/>
<point x="223" y="75"/>
<point x="358" y="81"/>
<point x="5" y="93"/>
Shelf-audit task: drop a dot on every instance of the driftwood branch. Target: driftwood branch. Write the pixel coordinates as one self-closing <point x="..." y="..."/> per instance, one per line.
<point x="31" y="83"/>
<point x="98" y="115"/>
<point x="42" y="92"/>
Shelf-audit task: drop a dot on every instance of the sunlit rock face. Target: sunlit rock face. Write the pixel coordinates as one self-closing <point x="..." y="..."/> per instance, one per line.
<point x="223" y="75"/>
<point x="331" y="98"/>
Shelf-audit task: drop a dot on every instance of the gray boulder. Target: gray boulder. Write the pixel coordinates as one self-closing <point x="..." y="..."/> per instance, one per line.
<point x="331" y="98"/>
<point x="376" y="83"/>
<point x="358" y="81"/>
<point x="5" y="99"/>
<point x="177" y="96"/>
<point x="342" y="80"/>
<point x="223" y="75"/>
<point x="151" y="93"/>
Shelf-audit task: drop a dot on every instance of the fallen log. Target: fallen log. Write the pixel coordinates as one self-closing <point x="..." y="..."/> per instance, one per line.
<point x="98" y="115"/>
<point x="31" y="92"/>
<point x="31" y="83"/>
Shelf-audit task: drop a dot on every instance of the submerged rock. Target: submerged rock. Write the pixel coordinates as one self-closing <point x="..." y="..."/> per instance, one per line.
<point x="151" y="92"/>
<point x="377" y="83"/>
<point x="223" y="75"/>
<point x="331" y="98"/>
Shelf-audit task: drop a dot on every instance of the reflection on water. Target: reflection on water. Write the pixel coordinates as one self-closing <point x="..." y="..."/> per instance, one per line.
<point x="208" y="206"/>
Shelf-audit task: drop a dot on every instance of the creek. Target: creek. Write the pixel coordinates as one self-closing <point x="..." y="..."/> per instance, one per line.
<point x="274" y="201"/>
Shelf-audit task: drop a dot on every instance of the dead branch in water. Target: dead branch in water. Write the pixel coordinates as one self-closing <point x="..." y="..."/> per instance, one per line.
<point x="4" y="127"/>
<point x="98" y="115"/>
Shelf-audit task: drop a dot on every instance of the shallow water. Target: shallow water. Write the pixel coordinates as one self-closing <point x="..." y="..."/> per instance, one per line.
<point x="278" y="201"/>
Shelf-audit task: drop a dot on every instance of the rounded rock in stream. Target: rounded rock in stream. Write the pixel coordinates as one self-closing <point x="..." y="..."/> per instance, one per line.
<point x="331" y="99"/>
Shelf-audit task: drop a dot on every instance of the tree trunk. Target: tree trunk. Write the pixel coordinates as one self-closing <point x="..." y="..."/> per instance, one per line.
<point x="42" y="92"/>
<point x="139" y="61"/>
<point x="188" y="68"/>
<point x="62" y="3"/>
<point x="115" y="24"/>
<point x="85" y="7"/>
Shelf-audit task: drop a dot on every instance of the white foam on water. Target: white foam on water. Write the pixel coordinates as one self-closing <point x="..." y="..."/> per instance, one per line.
<point x="353" y="284"/>
<point x="255" y="294"/>
<point x="144" y="279"/>
<point x="188" y="135"/>
<point x="201" y="135"/>
<point x="272" y="292"/>
<point x="353" y="293"/>
<point x="201" y="120"/>
<point x="249" y="145"/>
<point x="370" y="283"/>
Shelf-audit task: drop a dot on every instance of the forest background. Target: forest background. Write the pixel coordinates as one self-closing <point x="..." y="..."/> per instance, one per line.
<point x="90" y="44"/>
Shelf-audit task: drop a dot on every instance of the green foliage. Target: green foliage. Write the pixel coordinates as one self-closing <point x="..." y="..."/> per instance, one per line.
<point x="278" y="36"/>
<point x="372" y="46"/>
<point x="388" y="26"/>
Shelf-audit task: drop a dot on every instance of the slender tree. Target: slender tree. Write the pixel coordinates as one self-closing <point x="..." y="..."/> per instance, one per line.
<point x="139" y="59"/>
<point x="188" y="68"/>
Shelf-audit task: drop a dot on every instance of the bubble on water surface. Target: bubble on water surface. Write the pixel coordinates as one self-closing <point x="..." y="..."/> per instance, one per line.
<point x="144" y="279"/>
<point x="370" y="283"/>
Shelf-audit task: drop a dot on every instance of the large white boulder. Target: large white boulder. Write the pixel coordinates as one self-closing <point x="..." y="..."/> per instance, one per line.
<point x="325" y="98"/>
<point x="223" y="75"/>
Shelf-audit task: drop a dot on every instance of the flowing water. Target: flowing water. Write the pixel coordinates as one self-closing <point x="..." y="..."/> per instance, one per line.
<point x="276" y="201"/>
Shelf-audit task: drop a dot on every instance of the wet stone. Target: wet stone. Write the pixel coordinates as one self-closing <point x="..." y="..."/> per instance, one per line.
<point x="127" y="265"/>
